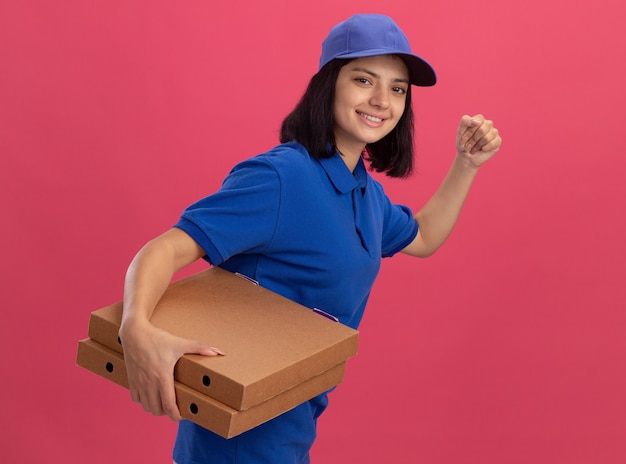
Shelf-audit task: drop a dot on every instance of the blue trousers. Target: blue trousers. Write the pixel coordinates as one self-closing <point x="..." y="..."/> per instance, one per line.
<point x="286" y="439"/>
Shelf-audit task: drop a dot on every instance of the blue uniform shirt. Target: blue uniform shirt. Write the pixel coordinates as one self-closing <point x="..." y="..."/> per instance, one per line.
<point x="309" y="230"/>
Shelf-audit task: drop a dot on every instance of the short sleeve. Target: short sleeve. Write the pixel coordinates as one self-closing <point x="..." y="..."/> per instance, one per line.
<point x="399" y="228"/>
<point x="240" y="217"/>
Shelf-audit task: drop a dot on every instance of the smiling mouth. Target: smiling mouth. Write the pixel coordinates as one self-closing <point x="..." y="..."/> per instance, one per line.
<point x="370" y="118"/>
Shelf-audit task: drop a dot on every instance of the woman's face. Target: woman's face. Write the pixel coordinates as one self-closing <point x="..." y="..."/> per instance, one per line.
<point x="370" y="95"/>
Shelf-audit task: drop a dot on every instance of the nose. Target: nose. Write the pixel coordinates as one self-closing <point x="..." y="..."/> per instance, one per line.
<point x="379" y="97"/>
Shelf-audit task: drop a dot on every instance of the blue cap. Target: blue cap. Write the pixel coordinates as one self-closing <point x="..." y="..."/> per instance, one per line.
<point x="364" y="35"/>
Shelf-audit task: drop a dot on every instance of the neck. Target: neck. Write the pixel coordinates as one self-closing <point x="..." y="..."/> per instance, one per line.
<point x="350" y="157"/>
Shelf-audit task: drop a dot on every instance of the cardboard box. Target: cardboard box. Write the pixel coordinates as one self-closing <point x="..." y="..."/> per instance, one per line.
<point x="201" y="409"/>
<point x="271" y="343"/>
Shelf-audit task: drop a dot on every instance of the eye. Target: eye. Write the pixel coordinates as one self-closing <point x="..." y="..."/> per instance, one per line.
<point x="363" y="80"/>
<point x="400" y="90"/>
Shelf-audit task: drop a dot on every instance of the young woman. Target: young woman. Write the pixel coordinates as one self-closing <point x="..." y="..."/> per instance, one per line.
<point x="307" y="221"/>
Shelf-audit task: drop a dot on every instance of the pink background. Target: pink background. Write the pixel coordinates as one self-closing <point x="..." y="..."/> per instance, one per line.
<point x="506" y="346"/>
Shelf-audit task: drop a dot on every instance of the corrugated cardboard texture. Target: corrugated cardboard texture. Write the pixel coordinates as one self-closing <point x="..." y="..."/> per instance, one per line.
<point x="271" y="343"/>
<point x="201" y="409"/>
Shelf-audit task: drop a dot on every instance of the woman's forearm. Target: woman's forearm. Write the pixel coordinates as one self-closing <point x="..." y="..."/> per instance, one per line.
<point x="477" y="141"/>
<point x="439" y="215"/>
<point x="151" y="271"/>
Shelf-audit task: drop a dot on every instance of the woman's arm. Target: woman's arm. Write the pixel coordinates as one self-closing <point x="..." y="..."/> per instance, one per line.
<point x="150" y="353"/>
<point x="477" y="141"/>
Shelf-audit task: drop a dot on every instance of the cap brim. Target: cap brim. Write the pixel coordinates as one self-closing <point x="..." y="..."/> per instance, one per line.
<point x="421" y="73"/>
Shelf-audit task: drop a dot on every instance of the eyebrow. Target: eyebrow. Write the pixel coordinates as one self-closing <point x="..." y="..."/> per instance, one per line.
<point x="373" y="74"/>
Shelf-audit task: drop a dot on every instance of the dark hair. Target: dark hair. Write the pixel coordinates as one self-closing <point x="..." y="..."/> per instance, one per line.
<point x="312" y="124"/>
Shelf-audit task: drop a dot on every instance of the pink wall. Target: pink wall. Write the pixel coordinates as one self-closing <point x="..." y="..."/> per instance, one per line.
<point x="507" y="346"/>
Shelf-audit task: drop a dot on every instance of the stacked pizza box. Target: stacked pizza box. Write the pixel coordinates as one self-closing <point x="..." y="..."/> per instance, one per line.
<point x="279" y="354"/>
